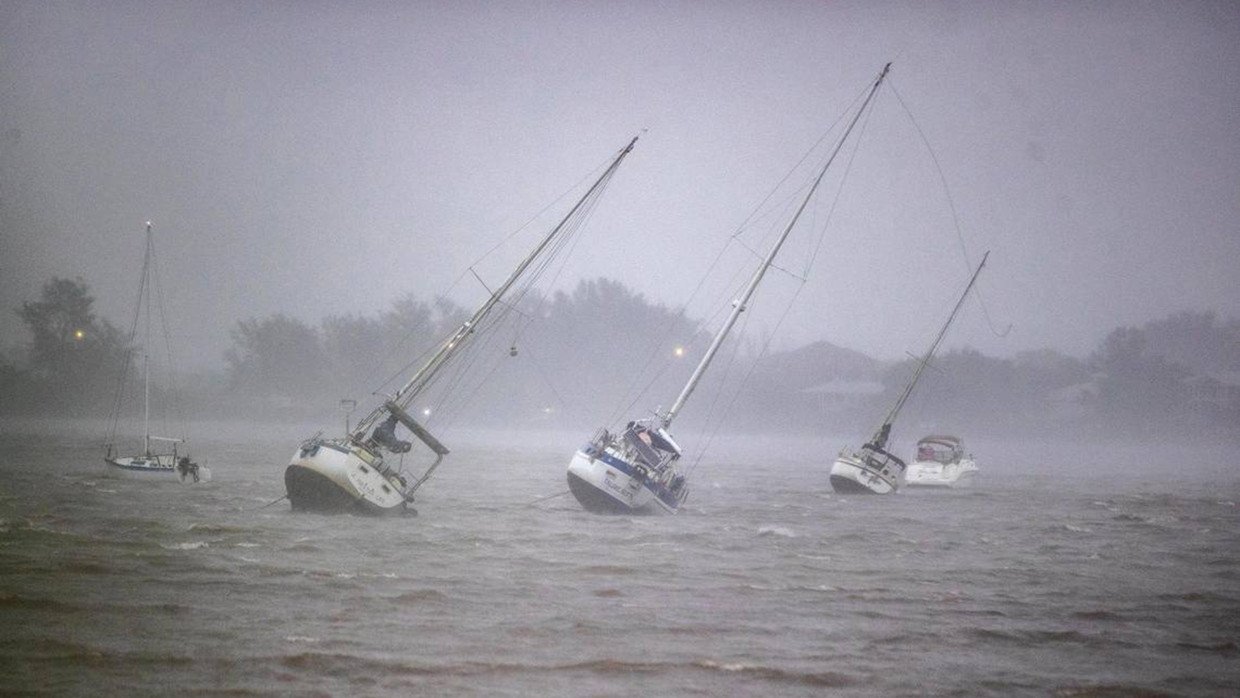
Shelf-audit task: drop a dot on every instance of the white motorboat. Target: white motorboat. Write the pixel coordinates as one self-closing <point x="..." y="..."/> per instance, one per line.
<point x="872" y="469"/>
<point x="635" y="470"/>
<point x="941" y="462"/>
<point x="357" y="473"/>
<point x="159" y="457"/>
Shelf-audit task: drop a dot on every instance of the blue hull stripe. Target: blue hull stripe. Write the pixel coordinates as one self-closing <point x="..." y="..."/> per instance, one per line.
<point x="629" y="470"/>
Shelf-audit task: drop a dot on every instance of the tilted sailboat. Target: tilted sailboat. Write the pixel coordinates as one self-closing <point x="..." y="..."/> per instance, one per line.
<point x="159" y="456"/>
<point x="635" y="470"/>
<point x="872" y="469"/>
<point x="353" y="473"/>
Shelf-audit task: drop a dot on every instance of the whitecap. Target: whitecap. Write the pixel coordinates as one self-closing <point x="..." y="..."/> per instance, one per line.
<point x="302" y="638"/>
<point x="186" y="546"/>
<point x="776" y="531"/>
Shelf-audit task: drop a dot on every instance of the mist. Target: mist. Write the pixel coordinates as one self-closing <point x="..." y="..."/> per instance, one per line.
<point x="1092" y="149"/>
<point x="360" y="175"/>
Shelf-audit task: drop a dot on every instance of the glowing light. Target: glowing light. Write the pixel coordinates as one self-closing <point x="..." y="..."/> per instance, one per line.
<point x="679" y="351"/>
<point x="426" y="412"/>
<point x="79" y="334"/>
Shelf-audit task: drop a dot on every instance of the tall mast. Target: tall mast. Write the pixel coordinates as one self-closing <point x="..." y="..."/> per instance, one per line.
<point x="739" y="305"/>
<point x="453" y="344"/>
<point x="880" y="437"/>
<point x="146" y="349"/>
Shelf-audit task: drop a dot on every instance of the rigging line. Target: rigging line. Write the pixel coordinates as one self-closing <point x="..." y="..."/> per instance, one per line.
<point x="546" y="379"/>
<point x="463" y="396"/>
<point x="588" y="176"/>
<point x="741" y="228"/>
<point x="569" y="240"/>
<point x="731" y="292"/>
<point x="457" y="387"/>
<point x="753" y="367"/>
<point x="172" y="398"/>
<point x="661" y="342"/>
<point x="540" y="500"/>
<point x="714" y="404"/>
<point x="568" y="227"/>
<point x="482" y="283"/>
<point x="951" y="205"/>
<point x="129" y="353"/>
<point x="561" y="250"/>
<point x="839" y="191"/>
<point x="457" y="281"/>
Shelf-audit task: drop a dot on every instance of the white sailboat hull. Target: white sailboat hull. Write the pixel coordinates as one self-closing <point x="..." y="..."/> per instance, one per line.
<point x="851" y="475"/>
<point x="328" y="477"/>
<point x="143" y="467"/>
<point x="605" y="484"/>
<point x="958" y="474"/>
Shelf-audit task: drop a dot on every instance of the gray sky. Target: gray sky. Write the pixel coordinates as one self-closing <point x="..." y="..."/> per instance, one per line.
<point x="320" y="158"/>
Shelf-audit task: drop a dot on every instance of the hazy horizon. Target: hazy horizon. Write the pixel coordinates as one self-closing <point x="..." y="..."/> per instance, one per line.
<point x="316" y="160"/>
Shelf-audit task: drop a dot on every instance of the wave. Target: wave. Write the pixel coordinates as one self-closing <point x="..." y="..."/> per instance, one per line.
<point x="420" y="596"/>
<point x="356" y="668"/>
<point x="780" y="531"/>
<point x="1033" y="638"/>
<point x="192" y="545"/>
<point x="608" y="569"/>
<point x="1111" y="690"/>
<point x="1227" y="649"/>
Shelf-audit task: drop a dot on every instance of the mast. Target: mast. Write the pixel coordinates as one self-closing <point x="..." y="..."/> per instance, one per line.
<point x="880" y="436"/>
<point x="738" y="305"/>
<point x="453" y="344"/>
<point x="146" y="349"/>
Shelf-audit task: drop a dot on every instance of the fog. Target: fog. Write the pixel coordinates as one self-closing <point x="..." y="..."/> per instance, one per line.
<point x="314" y="160"/>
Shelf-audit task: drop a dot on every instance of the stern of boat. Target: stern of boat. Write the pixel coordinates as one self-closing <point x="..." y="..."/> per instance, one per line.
<point x="333" y="477"/>
<point x="604" y="484"/>
<point x="853" y="474"/>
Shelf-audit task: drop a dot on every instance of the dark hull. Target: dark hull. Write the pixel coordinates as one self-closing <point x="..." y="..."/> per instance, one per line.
<point x="845" y="485"/>
<point x="595" y="501"/>
<point x="311" y="491"/>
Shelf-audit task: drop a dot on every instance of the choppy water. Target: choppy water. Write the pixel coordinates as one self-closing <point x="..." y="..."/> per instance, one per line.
<point x="766" y="584"/>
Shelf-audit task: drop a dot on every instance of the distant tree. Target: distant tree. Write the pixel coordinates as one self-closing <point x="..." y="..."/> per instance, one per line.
<point x="1197" y="341"/>
<point x="277" y="356"/>
<point x="71" y="351"/>
<point x="1137" y="389"/>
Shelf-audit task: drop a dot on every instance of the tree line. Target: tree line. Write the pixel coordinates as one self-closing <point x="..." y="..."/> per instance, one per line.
<point x="602" y="352"/>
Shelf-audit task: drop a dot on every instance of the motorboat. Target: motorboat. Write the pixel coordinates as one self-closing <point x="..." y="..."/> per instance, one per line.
<point x="941" y="462"/>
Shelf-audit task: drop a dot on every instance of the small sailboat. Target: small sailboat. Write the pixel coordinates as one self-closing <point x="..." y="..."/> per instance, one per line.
<point x="160" y="456"/>
<point x="941" y="462"/>
<point x="872" y="469"/>
<point x="635" y="470"/>
<point x="356" y="473"/>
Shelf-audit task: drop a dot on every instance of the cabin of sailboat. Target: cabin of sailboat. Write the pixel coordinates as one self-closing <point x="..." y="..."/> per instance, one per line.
<point x="364" y="471"/>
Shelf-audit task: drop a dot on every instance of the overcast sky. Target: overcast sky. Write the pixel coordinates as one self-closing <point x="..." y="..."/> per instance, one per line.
<point x="324" y="158"/>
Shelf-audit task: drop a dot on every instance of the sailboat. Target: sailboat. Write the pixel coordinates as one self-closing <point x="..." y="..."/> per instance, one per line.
<point x="635" y="470"/>
<point x="872" y="469"/>
<point x="160" y="455"/>
<point x="355" y="473"/>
